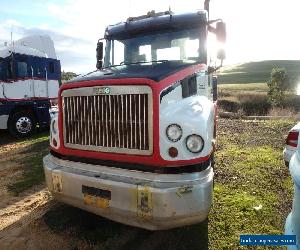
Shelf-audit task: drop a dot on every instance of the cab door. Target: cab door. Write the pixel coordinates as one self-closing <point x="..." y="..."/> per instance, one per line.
<point x="39" y="77"/>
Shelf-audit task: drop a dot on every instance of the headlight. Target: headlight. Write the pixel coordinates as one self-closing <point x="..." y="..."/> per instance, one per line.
<point x="195" y="143"/>
<point x="174" y="132"/>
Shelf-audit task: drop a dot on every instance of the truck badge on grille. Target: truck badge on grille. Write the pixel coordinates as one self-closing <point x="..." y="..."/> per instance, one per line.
<point x="101" y="91"/>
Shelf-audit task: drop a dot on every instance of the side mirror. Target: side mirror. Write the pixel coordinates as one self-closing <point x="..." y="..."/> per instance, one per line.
<point x="221" y="38"/>
<point x="99" y="55"/>
<point x="221" y="54"/>
<point x="221" y="32"/>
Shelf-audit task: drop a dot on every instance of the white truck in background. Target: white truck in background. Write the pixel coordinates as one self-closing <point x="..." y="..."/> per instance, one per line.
<point x="29" y="81"/>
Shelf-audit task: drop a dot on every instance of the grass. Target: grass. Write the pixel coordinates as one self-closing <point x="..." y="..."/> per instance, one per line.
<point x="257" y="87"/>
<point x="250" y="174"/>
<point x="258" y="71"/>
<point x="251" y="99"/>
<point x="252" y="195"/>
<point x="33" y="174"/>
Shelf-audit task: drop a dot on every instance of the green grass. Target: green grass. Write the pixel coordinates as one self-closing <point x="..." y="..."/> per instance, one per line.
<point x="258" y="87"/>
<point x="33" y="174"/>
<point x="259" y="72"/>
<point x="250" y="172"/>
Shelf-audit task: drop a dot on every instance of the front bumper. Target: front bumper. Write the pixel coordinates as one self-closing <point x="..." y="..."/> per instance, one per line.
<point x="146" y="200"/>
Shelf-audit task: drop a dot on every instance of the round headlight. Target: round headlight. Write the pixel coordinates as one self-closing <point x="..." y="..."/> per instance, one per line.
<point x="195" y="143"/>
<point x="174" y="132"/>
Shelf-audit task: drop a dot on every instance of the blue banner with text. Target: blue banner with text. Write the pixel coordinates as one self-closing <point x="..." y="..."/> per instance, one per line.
<point x="267" y="240"/>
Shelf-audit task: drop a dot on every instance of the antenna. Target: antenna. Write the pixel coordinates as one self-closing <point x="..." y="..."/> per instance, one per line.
<point x="129" y="9"/>
<point x="206" y="7"/>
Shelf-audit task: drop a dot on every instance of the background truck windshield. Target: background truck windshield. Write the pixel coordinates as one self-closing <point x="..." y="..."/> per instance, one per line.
<point x="1" y="69"/>
<point x="185" y="45"/>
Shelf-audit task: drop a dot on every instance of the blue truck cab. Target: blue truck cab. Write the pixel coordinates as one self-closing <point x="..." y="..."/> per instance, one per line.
<point x="29" y="82"/>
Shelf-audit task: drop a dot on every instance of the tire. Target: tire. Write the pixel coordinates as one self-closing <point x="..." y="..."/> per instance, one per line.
<point x="22" y="124"/>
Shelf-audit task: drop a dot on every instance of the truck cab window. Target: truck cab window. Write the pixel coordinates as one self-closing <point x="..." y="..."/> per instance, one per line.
<point x="1" y="70"/>
<point x="183" y="45"/>
<point x="51" y="67"/>
<point x="172" y="53"/>
<point x="22" y="69"/>
<point x="189" y="86"/>
<point x="145" y="52"/>
<point x="9" y="70"/>
<point x="40" y="70"/>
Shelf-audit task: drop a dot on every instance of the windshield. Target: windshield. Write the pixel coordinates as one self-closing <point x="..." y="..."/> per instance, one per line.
<point x="185" y="45"/>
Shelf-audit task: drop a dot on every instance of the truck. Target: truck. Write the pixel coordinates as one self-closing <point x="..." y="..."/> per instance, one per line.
<point x="29" y="83"/>
<point x="134" y="140"/>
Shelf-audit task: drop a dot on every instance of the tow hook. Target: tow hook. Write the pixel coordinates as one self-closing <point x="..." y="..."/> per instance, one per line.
<point x="184" y="190"/>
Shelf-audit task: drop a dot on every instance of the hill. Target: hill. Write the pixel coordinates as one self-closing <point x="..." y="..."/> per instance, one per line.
<point x="258" y="72"/>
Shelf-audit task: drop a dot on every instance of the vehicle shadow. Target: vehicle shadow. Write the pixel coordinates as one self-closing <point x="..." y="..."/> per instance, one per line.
<point x="6" y="138"/>
<point x="100" y="232"/>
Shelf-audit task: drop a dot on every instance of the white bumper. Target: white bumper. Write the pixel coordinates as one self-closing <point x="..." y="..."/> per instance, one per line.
<point x="146" y="200"/>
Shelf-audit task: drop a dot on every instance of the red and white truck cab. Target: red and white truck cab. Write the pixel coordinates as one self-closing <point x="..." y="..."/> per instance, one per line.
<point x="134" y="140"/>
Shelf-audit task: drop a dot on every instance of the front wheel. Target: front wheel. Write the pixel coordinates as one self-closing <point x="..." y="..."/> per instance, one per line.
<point x="22" y="124"/>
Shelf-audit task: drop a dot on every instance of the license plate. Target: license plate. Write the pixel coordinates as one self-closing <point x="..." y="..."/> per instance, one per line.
<point x="96" y="197"/>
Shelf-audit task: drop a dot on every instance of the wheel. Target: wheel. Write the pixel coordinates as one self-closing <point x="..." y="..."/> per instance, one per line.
<point x="22" y="124"/>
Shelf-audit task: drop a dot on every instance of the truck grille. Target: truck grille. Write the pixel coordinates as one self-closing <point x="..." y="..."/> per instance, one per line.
<point x="109" y="119"/>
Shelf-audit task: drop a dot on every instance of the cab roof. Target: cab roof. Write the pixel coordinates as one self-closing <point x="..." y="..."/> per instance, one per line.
<point x="156" y="22"/>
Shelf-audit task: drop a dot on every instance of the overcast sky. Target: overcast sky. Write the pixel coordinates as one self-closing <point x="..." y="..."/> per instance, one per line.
<point x="257" y="29"/>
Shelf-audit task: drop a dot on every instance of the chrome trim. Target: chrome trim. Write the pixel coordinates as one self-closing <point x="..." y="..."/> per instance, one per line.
<point x="120" y="131"/>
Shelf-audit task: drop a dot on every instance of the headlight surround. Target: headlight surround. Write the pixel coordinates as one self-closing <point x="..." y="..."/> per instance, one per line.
<point x="174" y="132"/>
<point x="194" y="143"/>
<point x="54" y="126"/>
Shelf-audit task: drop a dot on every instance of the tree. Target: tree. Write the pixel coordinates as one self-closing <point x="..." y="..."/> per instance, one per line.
<point x="65" y="76"/>
<point x="278" y="84"/>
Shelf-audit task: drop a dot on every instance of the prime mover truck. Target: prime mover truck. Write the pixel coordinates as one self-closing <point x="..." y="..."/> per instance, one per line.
<point x="29" y="80"/>
<point x="134" y="140"/>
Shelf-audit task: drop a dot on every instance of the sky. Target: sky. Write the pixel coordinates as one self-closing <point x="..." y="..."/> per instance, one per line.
<point x="256" y="29"/>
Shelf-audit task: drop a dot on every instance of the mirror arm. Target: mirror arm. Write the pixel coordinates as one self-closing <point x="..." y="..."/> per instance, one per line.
<point x="212" y="29"/>
<point x="212" y="69"/>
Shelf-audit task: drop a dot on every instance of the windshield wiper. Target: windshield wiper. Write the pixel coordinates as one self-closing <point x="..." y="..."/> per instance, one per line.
<point x="132" y="63"/>
<point x="141" y="62"/>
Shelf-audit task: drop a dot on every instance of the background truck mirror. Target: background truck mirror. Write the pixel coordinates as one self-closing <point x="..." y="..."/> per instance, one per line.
<point x="221" y="54"/>
<point x="221" y="32"/>
<point x="221" y="38"/>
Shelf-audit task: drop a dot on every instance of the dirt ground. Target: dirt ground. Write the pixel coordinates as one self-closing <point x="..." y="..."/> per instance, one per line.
<point x="33" y="220"/>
